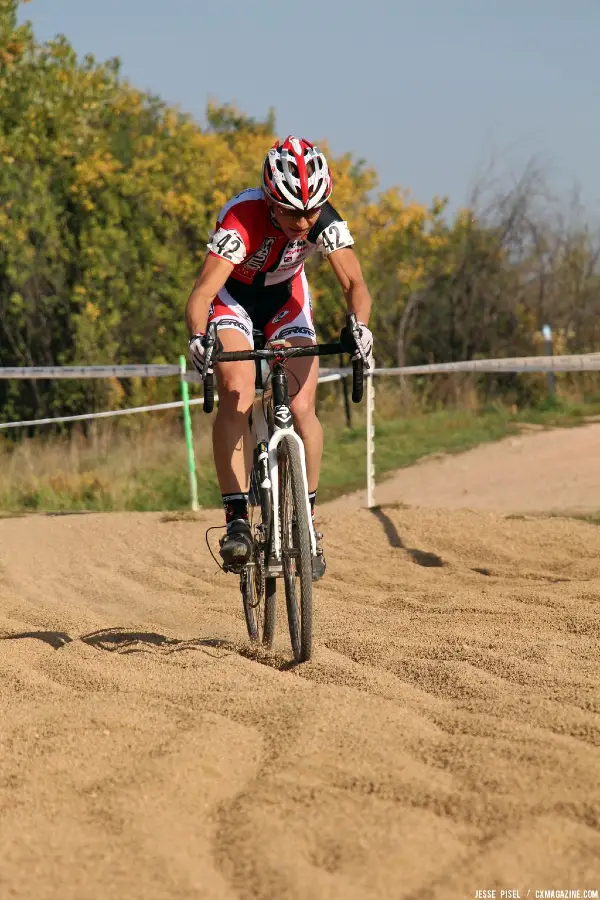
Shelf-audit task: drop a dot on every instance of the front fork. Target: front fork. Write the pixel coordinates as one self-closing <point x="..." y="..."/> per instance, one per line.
<point x="276" y="439"/>
<point x="268" y="454"/>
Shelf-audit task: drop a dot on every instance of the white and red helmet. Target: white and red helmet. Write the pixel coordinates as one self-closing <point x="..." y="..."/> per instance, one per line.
<point x="296" y="175"/>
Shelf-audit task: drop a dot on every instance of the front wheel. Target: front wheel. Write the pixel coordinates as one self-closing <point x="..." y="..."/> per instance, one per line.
<point x="296" y="549"/>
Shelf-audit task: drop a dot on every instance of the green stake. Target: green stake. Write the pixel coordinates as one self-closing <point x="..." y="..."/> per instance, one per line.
<point x="187" y="427"/>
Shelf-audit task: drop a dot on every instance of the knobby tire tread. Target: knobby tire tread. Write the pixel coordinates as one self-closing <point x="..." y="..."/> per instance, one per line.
<point x="300" y="632"/>
<point x="260" y="617"/>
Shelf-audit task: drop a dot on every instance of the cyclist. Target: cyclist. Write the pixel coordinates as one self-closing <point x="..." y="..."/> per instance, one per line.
<point x="253" y="276"/>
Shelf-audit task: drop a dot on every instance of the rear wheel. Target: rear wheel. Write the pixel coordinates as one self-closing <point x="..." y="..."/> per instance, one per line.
<point x="259" y="606"/>
<point x="258" y="592"/>
<point x="295" y="549"/>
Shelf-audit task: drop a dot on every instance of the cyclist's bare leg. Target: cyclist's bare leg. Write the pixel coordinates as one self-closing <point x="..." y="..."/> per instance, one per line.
<point x="232" y="446"/>
<point x="302" y="405"/>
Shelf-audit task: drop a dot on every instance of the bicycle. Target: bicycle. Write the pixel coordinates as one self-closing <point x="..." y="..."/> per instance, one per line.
<point x="284" y="541"/>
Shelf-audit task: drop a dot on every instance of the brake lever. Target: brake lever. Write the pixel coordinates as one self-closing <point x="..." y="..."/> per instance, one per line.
<point x="356" y="335"/>
<point x="210" y="344"/>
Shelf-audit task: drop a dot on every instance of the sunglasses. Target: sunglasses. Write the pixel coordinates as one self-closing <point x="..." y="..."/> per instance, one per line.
<point x="296" y="214"/>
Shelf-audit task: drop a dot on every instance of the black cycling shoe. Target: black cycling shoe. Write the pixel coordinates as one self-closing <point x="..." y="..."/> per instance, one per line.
<point x="236" y="546"/>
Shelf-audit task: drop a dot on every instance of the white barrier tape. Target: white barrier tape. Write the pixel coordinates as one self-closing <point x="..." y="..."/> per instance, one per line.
<point x="101" y="415"/>
<point x="579" y="362"/>
<point x="335" y="376"/>
<point x="583" y="362"/>
<point x="122" y="412"/>
<point x="36" y="372"/>
<point x="113" y="412"/>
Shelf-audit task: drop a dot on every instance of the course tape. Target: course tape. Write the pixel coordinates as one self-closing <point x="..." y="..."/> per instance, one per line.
<point x="98" y="415"/>
<point x="588" y="362"/>
<point x="176" y="404"/>
<point x="580" y="362"/>
<point x="151" y="371"/>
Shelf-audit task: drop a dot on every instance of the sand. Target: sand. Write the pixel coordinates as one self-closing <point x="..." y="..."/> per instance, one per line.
<point x="444" y="739"/>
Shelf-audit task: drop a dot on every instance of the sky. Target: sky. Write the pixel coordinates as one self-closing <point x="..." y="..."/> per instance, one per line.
<point x="429" y="92"/>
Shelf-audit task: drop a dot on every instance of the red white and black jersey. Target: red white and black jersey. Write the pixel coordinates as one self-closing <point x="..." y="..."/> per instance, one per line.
<point x="263" y="257"/>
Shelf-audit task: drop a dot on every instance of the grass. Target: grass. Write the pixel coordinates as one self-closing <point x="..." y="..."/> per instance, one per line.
<point x="593" y="519"/>
<point x="401" y="442"/>
<point x="143" y="466"/>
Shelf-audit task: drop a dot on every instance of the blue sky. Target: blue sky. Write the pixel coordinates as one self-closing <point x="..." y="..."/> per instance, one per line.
<point x="428" y="91"/>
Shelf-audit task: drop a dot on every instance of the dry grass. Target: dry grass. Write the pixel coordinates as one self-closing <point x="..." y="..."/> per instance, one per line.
<point x="139" y="463"/>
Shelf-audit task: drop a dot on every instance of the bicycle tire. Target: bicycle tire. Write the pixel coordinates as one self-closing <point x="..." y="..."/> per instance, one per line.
<point x="259" y="612"/>
<point x="259" y="593"/>
<point x="295" y="549"/>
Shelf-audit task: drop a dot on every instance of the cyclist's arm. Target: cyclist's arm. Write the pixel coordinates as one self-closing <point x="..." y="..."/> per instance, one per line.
<point x="213" y="275"/>
<point x="346" y="266"/>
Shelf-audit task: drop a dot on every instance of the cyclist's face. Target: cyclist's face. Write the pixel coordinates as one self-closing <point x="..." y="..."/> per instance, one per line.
<point x="294" y="223"/>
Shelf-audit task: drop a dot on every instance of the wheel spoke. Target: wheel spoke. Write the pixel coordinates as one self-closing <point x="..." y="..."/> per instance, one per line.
<point x="258" y="592"/>
<point x="296" y="550"/>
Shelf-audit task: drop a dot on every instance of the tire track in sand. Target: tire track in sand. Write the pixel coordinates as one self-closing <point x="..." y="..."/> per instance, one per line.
<point x="444" y="738"/>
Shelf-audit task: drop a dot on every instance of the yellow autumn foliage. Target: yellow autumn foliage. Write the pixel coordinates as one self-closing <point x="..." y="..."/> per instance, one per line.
<point x="105" y="219"/>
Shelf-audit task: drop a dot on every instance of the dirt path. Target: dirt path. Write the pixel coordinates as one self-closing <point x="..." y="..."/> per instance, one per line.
<point x="444" y="740"/>
<point x="538" y="471"/>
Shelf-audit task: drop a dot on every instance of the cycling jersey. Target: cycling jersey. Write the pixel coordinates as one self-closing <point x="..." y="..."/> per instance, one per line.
<point x="268" y="284"/>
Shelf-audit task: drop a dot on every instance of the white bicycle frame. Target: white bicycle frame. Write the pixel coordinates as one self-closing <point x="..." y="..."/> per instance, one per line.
<point x="260" y="430"/>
